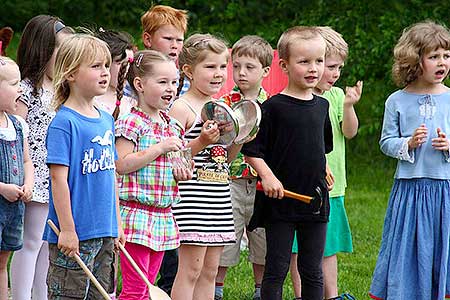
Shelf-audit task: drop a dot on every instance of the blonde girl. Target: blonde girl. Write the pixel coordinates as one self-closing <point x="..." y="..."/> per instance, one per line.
<point x="80" y="155"/>
<point x="16" y="169"/>
<point x="148" y="185"/>
<point x="204" y="214"/>
<point x="36" y="54"/>
<point x="413" y="262"/>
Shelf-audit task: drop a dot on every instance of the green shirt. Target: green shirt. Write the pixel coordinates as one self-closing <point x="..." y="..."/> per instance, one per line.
<point x="336" y="158"/>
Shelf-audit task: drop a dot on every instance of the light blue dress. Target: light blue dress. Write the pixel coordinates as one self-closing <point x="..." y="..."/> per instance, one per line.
<point x="413" y="262"/>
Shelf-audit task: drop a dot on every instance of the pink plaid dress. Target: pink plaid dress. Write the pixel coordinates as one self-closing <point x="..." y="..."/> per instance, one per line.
<point x="146" y="195"/>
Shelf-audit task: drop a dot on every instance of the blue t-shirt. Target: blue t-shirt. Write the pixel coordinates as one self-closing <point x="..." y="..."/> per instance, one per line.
<point x="86" y="146"/>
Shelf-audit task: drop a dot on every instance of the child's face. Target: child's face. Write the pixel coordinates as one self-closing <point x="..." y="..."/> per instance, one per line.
<point x="332" y="71"/>
<point x="167" y="40"/>
<point x="10" y="90"/>
<point x="91" y="79"/>
<point x="435" y="66"/>
<point x="158" y="90"/>
<point x="305" y="64"/>
<point x="248" y="73"/>
<point x="209" y="75"/>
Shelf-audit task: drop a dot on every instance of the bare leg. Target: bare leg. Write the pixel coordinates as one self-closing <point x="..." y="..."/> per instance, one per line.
<point x="329" y="267"/>
<point x="191" y="259"/>
<point x="295" y="276"/>
<point x="4" y="255"/>
<point x="221" y="274"/>
<point x="204" y="288"/>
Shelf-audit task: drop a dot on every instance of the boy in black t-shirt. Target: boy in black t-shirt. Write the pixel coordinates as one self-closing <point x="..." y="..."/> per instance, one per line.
<point x="289" y="152"/>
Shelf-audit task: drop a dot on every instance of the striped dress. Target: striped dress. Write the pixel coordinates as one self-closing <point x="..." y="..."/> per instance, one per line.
<point x="204" y="214"/>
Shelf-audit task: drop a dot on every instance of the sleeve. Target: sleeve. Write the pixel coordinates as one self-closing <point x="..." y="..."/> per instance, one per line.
<point x="328" y="134"/>
<point x="58" y="142"/>
<point x="27" y="89"/>
<point x="391" y="143"/>
<point x="258" y="146"/>
<point x="128" y="127"/>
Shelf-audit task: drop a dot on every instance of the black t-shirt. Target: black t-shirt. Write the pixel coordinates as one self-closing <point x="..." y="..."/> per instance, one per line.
<point x="294" y="136"/>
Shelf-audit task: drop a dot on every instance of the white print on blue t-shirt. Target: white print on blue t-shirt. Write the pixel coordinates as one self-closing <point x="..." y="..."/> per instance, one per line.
<point x="106" y="159"/>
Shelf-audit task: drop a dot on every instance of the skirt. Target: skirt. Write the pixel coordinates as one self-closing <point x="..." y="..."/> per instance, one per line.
<point x="413" y="262"/>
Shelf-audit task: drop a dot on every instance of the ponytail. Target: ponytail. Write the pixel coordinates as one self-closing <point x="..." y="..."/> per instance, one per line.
<point x="119" y="88"/>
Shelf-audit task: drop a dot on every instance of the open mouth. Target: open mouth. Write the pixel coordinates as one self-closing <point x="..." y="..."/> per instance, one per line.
<point x="103" y="82"/>
<point x="440" y="72"/>
<point x="167" y="98"/>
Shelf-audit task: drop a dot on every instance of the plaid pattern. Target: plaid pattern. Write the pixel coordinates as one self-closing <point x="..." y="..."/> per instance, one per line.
<point x="148" y="193"/>
<point x="149" y="226"/>
<point x="239" y="168"/>
<point x="154" y="184"/>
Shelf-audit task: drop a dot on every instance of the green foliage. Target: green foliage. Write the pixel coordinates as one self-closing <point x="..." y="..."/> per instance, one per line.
<point x="371" y="29"/>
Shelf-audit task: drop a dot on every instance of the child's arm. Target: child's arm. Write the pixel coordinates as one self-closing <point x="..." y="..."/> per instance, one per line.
<point x="130" y="161"/>
<point x="273" y="188"/>
<point x="28" y="169"/>
<point x="210" y="131"/>
<point x="350" y="120"/>
<point x="68" y="239"/>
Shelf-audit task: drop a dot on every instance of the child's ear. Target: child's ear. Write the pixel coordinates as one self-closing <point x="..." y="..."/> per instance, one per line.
<point x="187" y="70"/>
<point x="137" y="82"/>
<point x="266" y="72"/>
<point x="283" y="65"/>
<point x="147" y="40"/>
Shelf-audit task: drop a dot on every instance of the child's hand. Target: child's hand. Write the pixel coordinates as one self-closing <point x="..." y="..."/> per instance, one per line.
<point x="418" y="138"/>
<point x="210" y="133"/>
<point x="11" y="192"/>
<point x="272" y="187"/>
<point x="329" y="178"/>
<point x="120" y="239"/>
<point x="27" y="193"/>
<point x="441" y="142"/>
<point x="68" y="243"/>
<point x="183" y="174"/>
<point x="172" y="143"/>
<point x="353" y="94"/>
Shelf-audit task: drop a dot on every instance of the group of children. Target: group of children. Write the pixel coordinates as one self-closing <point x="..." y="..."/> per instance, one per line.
<point x="86" y="139"/>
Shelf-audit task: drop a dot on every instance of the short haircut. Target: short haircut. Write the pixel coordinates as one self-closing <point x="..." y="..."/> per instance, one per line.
<point x="336" y="44"/>
<point x="160" y="15"/>
<point x="294" y="34"/>
<point x="416" y="41"/>
<point x="74" y="51"/>
<point x="255" y="47"/>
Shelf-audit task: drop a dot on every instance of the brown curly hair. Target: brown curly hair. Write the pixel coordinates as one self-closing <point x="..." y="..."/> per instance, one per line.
<point x="416" y="41"/>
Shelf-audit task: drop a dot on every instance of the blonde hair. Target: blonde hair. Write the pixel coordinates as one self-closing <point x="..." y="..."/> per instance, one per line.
<point x="195" y="50"/>
<point x="160" y="15"/>
<point x="74" y="51"/>
<point x="5" y="61"/>
<point x="143" y="65"/>
<point x="416" y="41"/>
<point x="336" y="45"/>
<point x="255" y="47"/>
<point x="294" y="34"/>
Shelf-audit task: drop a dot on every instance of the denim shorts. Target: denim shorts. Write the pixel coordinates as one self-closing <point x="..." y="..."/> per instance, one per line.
<point x="11" y="225"/>
<point x="66" y="279"/>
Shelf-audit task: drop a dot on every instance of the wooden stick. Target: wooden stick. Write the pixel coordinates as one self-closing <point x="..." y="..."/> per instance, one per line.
<point x="83" y="265"/>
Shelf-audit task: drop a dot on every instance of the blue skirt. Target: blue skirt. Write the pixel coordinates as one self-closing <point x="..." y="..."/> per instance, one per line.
<point x="413" y="262"/>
